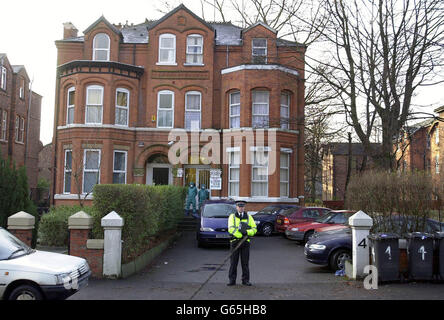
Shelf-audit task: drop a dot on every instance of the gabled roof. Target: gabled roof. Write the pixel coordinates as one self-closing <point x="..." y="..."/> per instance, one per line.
<point x="260" y="23"/>
<point x="180" y="7"/>
<point x="106" y="22"/>
<point x="18" y="68"/>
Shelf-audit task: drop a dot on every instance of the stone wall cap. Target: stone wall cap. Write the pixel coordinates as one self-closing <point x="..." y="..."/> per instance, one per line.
<point x="80" y="220"/>
<point x="95" y="244"/>
<point x="360" y="219"/>
<point x="112" y="219"/>
<point x="21" y="220"/>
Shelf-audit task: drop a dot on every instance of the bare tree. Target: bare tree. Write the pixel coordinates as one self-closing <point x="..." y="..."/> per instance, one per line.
<point x="382" y="52"/>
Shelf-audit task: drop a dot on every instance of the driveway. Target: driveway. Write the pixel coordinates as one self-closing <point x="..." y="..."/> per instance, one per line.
<point x="278" y="270"/>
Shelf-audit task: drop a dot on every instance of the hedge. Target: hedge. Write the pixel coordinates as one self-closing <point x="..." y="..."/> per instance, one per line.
<point x="53" y="229"/>
<point x="147" y="212"/>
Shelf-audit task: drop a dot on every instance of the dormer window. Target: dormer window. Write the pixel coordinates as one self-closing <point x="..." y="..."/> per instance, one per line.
<point x="101" y="45"/>
<point x="195" y="49"/>
<point x="167" y="49"/>
<point x="259" y="50"/>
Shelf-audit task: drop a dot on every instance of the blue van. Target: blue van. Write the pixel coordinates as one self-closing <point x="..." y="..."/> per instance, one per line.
<point x="213" y="228"/>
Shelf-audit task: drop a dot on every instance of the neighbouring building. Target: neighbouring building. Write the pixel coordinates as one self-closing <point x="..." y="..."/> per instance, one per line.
<point x="45" y="163"/>
<point x="121" y="90"/>
<point x="419" y="146"/>
<point x="20" y="111"/>
<point x="335" y="167"/>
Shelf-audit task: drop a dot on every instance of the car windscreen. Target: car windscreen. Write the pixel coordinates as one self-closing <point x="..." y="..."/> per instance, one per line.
<point x="326" y="218"/>
<point x="288" y="211"/>
<point x="268" y="210"/>
<point x="10" y="246"/>
<point x="218" y="210"/>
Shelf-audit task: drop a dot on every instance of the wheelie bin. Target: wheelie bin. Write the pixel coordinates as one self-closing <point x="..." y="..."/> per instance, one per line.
<point x="420" y="255"/>
<point x="385" y="255"/>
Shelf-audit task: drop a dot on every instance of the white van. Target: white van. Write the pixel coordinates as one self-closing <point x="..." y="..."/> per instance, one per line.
<point x="28" y="274"/>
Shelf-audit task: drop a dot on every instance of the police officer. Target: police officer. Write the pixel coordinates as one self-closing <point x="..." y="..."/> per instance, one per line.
<point x="240" y="224"/>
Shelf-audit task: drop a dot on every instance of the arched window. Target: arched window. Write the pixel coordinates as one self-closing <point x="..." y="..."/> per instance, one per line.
<point x="260" y="109"/>
<point x="122" y="107"/>
<point x="195" y="49"/>
<point x="70" y="105"/>
<point x="167" y="49"/>
<point x="235" y="109"/>
<point x="101" y="45"/>
<point x="94" y="104"/>
<point x="285" y="110"/>
<point x="165" y="109"/>
<point x="193" y="101"/>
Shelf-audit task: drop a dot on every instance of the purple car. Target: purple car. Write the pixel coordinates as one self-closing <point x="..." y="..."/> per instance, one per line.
<point x="213" y="228"/>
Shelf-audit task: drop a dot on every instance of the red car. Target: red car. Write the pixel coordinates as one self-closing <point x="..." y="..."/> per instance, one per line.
<point x="292" y="216"/>
<point x="304" y="231"/>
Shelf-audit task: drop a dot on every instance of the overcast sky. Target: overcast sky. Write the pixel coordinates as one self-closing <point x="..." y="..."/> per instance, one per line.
<point x="28" y="29"/>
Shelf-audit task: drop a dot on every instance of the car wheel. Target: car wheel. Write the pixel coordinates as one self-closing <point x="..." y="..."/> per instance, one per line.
<point x="308" y="235"/>
<point x="337" y="260"/>
<point x="26" y="292"/>
<point x="267" y="229"/>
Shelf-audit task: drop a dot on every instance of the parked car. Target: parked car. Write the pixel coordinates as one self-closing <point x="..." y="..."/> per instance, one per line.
<point x="28" y="274"/>
<point x="213" y="228"/>
<point x="304" y="231"/>
<point x="266" y="218"/>
<point x="332" y="248"/>
<point x="302" y="214"/>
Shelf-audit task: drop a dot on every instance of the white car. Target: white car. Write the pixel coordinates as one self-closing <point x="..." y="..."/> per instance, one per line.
<point x="28" y="274"/>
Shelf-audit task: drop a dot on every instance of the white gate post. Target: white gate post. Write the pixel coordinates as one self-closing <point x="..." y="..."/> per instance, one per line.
<point x="360" y="224"/>
<point x="112" y="251"/>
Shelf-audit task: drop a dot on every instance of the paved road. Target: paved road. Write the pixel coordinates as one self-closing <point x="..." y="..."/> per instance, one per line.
<point x="278" y="271"/>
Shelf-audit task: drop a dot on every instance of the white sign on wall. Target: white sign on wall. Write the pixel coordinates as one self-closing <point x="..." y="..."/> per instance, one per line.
<point x="215" y="179"/>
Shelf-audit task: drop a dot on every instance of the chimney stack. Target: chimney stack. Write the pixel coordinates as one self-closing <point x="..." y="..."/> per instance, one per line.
<point x="69" y="31"/>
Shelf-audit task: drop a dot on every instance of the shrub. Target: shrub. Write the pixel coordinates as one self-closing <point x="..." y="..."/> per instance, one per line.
<point x="147" y="212"/>
<point x="383" y="195"/>
<point x="53" y="230"/>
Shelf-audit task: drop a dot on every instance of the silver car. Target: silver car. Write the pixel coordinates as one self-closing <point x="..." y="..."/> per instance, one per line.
<point x="28" y="274"/>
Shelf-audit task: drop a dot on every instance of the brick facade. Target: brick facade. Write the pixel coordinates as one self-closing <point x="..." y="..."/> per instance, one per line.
<point x="22" y="107"/>
<point x="134" y="65"/>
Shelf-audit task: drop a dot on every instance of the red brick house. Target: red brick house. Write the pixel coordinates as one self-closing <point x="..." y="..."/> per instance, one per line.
<point x="121" y="90"/>
<point x="20" y="110"/>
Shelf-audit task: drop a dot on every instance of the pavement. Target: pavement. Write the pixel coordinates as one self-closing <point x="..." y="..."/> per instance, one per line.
<point x="278" y="271"/>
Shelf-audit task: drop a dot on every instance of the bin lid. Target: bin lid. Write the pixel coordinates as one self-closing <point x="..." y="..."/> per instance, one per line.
<point x="439" y="235"/>
<point x="383" y="236"/>
<point x="419" y="235"/>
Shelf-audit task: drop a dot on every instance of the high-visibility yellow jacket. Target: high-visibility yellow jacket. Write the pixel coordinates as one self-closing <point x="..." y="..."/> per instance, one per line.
<point x="234" y="222"/>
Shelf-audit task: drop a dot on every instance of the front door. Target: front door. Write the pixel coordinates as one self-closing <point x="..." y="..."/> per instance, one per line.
<point x="198" y="176"/>
<point x="161" y="176"/>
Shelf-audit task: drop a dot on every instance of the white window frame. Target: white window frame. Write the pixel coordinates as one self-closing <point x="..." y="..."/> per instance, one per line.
<point x="172" y="107"/>
<point x="68" y="106"/>
<point x="256" y="47"/>
<point x="166" y="36"/>
<point x="94" y="105"/>
<point x="126" y="164"/>
<point x="437" y="136"/>
<point x="260" y="114"/>
<point x="193" y="53"/>
<point x="17" y="127"/>
<point x="101" y="49"/>
<point x="126" y="108"/>
<point x="22" y="130"/>
<point x="285" y="125"/>
<point x="437" y="163"/>
<point x="4" y="125"/>
<point x="233" y="166"/>
<point x="287" y="182"/>
<point x="90" y="170"/>
<point x="4" y="77"/>
<point x="22" y="89"/>
<point x="65" y="171"/>
<point x="192" y="110"/>
<point x="234" y="105"/>
<point x="254" y="150"/>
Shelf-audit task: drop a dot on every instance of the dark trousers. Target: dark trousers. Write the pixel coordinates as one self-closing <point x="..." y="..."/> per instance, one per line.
<point x="244" y="253"/>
